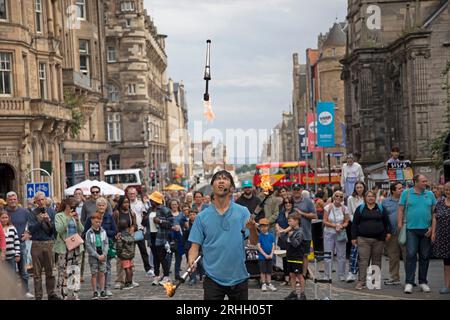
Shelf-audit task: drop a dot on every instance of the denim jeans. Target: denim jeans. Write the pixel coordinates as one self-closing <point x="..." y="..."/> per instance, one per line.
<point x="22" y="265"/>
<point x="417" y="242"/>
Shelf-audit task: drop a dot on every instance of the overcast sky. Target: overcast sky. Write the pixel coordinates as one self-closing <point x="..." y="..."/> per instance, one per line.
<point x="251" y="55"/>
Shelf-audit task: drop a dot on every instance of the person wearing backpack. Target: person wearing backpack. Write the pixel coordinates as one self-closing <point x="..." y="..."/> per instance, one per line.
<point x="125" y="251"/>
<point x="370" y="229"/>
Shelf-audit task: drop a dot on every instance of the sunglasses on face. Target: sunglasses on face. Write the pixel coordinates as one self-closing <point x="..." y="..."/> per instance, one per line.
<point x="95" y="192"/>
<point x="339" y="197"/>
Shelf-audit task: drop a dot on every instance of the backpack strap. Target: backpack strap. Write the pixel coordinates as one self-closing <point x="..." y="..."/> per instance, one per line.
<point x="362" y="206"/>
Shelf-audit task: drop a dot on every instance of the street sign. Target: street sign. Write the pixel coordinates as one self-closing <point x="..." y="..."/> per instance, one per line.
<point x="335" y="154"/>
<point x="32" y="188"/>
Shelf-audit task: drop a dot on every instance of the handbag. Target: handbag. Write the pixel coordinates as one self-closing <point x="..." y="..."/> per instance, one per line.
<point x="402" y="232"/>
<point x="73" y="241"/>
<point x="341" y="236"/>
<point x="138" y="236"/>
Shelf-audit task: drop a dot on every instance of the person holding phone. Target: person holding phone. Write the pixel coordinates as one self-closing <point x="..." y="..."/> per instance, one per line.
<point x="67" y="223"/>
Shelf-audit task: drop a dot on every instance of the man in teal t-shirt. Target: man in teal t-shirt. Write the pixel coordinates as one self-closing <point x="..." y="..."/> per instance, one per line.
<point x="417" y="206"/>
<point x="221" y="230"/>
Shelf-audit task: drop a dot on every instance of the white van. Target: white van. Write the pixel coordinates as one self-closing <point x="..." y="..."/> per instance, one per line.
<point x="125" y="178"/>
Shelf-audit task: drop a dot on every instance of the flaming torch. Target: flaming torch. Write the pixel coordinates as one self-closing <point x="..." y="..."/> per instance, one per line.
<point x="267" y="189"/>
<point x="171" y="288"/>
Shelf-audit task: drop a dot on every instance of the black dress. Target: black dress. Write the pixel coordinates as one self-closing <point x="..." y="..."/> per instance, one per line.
<point x="441" y="247"/>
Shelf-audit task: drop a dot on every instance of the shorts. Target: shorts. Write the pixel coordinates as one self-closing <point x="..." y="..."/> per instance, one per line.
<point x="265" y="266"/>
<point x="96" y="266"/>
<point x="306" y="247"/>
<point x="127" y="264"/>
<point x="295" y="267"/>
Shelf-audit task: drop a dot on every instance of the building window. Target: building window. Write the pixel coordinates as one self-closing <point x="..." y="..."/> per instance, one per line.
<point x="127" y="6"/>
<point x="5" y="73"/>
<point x="131" y="89"/>
<point x="84" y="57"/>
<point x="128" y="23"/>
<point x="113" y="93"/>
<point x="42" y="81"/>
<point x="114" y="133"/>
<point x="38" y="10"/>
<point x="113" y="162"/>
<point x="3" y="10"/>
<point x="111" y="54"/>
<point x="81" y="11"/>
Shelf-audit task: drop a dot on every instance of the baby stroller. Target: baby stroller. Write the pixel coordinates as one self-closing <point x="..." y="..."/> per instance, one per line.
<point x="252" y="262"/>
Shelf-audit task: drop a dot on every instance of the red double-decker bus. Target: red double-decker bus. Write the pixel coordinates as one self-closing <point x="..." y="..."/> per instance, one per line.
<point x="288" y="173"/>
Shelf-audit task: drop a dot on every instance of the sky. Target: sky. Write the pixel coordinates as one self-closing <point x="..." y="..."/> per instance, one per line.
<point x="251" y="58"/>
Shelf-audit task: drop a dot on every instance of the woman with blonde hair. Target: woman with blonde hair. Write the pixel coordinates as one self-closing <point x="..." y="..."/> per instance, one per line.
<point x="335" y="220"/>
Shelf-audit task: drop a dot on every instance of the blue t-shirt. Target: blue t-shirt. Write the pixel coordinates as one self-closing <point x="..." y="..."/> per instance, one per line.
<point x="391" y="206"/>
<point x="418" y="210"/>
<point x="266" y="241"/>
<point x="71" y="228"/>
<point x="222" y="242"/>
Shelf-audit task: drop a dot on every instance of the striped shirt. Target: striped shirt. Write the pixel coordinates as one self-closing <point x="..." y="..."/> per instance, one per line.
<point x="12" y="242"/>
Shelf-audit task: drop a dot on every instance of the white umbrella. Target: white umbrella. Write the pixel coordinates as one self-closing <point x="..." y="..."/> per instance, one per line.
<point x="105" y="188"/>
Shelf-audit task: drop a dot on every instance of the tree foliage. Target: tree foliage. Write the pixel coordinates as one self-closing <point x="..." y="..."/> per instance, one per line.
<point x="75" y="102"/>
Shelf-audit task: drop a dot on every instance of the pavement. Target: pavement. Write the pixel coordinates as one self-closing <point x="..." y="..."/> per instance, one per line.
<point x="340" y="290"/>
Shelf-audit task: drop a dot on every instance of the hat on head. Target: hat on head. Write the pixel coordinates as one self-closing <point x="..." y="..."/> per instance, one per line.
<point x="296" y="186"/>
<point x="247" y="184"/>
<point x="157" y="197"/>
<point x="263" y="222"/>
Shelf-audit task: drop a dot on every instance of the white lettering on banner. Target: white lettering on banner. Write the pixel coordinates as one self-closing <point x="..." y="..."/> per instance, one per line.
<point x="301" y="131"/>
<point x="325" y="118"/>
<point x="374" y="20"/>
<point x="373" y="280"/>
<point x="312" y="127"/>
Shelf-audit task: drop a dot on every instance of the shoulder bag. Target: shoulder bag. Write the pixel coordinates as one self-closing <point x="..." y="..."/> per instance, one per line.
<point x="340" y="235"/>
<point x="73" y="241"/>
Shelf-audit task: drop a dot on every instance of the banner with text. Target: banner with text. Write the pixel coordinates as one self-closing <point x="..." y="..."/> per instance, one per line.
<point x="325" y="124"/>
<point x="312" y="131"/>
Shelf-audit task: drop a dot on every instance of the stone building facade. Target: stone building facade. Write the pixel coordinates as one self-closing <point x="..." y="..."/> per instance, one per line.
<point x="136" y="110"/>
<point x="33" y="117"/>
<point x="393" y="73"/>
<point x="177" y="133"/>
<point x="84" y="78"/>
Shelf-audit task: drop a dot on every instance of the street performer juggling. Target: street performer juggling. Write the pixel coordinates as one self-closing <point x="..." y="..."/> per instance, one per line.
<point x="221" y="230"/>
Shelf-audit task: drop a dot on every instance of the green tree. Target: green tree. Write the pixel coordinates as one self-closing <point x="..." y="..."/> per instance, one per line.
<point x="75" y="102"/>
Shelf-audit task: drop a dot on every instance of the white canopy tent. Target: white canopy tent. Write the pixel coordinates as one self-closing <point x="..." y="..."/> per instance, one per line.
<point x="105" y="188"/>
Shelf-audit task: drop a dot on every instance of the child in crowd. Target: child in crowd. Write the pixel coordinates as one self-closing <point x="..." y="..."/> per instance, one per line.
<point x="266" y="247"/>
<point x="125" y="247"/>
<point x="199" y="270"/>
<point x="294" y="254"/>
<point x="97" y="246"/>
<point x="12" y="243"/>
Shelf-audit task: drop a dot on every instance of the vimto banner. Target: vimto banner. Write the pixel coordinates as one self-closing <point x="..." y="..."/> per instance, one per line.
<point x="325" y="124"/>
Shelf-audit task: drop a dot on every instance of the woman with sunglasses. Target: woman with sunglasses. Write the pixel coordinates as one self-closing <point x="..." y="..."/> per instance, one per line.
<point x="282" y="228"/>
<point x="335" y="220"/>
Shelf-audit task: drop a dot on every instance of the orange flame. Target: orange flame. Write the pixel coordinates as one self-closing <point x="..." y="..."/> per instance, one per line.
<point x="265" y="181"/>
<point x="170" y="289"/>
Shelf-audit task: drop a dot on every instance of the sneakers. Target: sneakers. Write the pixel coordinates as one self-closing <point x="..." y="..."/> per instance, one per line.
<point x="425" y="288"/>
<point x="103" y="295"/>
<point x="408" y="288"/>
<point x="342" y="278"/>
<point x="135" y="284"/>
<point x="151" y="273"/>
<point x="351" y="277"/>
<point x="109" y="293"/>
<point x="292" y="296"/>
<point x="303" y="296"/>
<point x="359" y="285"/>
<point x="271" y="287"/>
<point x="95" y="296"/>
<point x="53" y="297"/>
<point x="264" y="287"/>
<point x="444" y="290"/>
<point x="128" y="286"/>
<point x="155" y="281"/>
<point x="164" y="281"/>
<point x="392" y="282"/>
<point x="29" y="295"/>
<point x="118" y="286"/>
